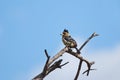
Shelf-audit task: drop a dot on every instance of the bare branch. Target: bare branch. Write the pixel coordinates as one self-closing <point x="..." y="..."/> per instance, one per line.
<point x="57" y="55"/>
<point x="78" y="71"/>
<point x="80" y="64"/>
<point x="46" y="53"/>
<point x="88" y="70"/>
<point x="48" y="67"/>
<point x="93" y="35"/>
<point x="43" y="73"/>
<point x="51" y="64"/>
<point x="54" y="66"/>
<point x="88" y="64"/>
<point x="64" y="64"/>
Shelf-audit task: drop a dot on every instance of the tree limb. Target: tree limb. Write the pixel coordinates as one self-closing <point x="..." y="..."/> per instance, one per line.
<point x="43" y="73"/>
<point x="57" y="55"/>
<point x="64" y="64"/>
<point x="78" y="71"/>
<point x="87" y="71"/>
<point x="48" y="67"/>
<point x="80" y="63"/>
<point x="52" y="64"/>
<point x="93" y="35"/>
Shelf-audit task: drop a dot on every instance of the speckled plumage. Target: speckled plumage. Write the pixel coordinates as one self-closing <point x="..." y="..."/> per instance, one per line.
<point x="68" y="41"/>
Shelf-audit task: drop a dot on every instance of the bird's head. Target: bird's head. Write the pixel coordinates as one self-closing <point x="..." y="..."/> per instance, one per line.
<point x="65" y="33"/>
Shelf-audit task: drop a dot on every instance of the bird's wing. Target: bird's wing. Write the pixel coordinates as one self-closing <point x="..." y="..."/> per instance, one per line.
<point x="70" y="39"/>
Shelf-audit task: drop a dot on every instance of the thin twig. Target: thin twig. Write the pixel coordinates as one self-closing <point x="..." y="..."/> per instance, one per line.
<point x="93" y="35"/>
<point x="43" y="73"/>
<point x="54" y="66"/>
<point x="64" y="64"/>
<point x="46" y="65"/>
<point x="87" y="71"/>
<point x="46" y="53"/>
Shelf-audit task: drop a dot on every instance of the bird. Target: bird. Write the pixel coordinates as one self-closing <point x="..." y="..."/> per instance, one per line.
<point x="68" y="41"/>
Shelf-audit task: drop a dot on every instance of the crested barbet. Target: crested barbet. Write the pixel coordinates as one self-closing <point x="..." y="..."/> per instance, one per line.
<point x="68" y="41"/>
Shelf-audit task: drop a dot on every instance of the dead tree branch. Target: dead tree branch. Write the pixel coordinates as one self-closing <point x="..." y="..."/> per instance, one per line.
<point x="52" y="64"/>
<point x="87" y="71"/>
<point x="93" y="35"/>
<point x="49" y="67"/>
<point x="80" y="63"/>
<point x="57" y="55"/>
<point x="78" y="71"/>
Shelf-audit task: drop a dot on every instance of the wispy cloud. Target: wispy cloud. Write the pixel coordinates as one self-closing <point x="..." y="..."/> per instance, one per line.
<point x="107" y="64"/>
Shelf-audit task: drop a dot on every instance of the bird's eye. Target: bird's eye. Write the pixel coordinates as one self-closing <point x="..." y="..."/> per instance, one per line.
<point x="64" y="33"/>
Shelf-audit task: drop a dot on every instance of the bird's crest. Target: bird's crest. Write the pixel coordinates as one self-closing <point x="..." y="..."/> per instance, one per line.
<point x="65" y="30"/>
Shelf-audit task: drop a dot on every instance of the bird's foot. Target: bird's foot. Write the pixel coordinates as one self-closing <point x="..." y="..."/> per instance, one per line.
<point x="69" y="49"/>
<point x="78" y="52"/>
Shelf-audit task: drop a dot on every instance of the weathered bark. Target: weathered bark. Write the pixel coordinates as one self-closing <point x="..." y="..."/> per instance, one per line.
<point x="80" y="63"/>
<point x="52" y="64"/>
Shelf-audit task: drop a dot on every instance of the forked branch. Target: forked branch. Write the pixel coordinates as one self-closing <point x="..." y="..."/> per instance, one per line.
<point x="52" y="64"/>
<point x="88" y="64"/>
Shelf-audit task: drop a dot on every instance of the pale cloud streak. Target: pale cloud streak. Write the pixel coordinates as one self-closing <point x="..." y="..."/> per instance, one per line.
<point x="107" y="64"/>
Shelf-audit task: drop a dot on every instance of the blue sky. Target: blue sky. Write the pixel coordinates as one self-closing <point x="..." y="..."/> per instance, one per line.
<point x="27" y="27"/>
